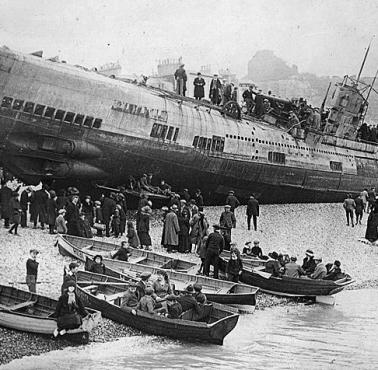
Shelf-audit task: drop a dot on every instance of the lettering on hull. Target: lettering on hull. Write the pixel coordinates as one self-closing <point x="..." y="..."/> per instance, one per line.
<point x="152" y="113"/>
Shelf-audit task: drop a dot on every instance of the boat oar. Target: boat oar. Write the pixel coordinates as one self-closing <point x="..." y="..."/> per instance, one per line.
<point x="106" y="283"/>
<point x="24" y="282"/>
<point x="263" y="274"/>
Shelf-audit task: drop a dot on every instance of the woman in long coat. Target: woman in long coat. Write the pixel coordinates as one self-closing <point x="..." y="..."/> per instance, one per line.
<point x="52" y="211"/>
<point x="15" y="213"/>
<point x="143" y="227"/>
<point x="184" y="239"/>
<point x="199" y="83"/>
<point x="171" y="229"/>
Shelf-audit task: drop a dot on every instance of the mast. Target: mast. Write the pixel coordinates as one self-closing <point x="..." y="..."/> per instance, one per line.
<point x="325" y="98"/>
<point x="367" y="97"/>
<point x="363" y="63"/>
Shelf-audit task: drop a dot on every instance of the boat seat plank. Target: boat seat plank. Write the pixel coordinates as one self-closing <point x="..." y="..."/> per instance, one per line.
<point x="90" y="287"/>
<point x="18" y="306"/>
<point x="113" y="297"/>
<point x="224" y="290"/>
<point x="138" y="260"/>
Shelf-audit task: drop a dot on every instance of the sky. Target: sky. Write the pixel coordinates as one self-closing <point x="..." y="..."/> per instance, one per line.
<point x="325" y="37"/>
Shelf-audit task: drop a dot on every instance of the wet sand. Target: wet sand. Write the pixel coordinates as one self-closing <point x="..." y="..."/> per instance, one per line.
<point x="321" y="227"/>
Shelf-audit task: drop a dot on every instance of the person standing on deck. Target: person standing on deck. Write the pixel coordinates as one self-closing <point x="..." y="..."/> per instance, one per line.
<point x="199" y="83"/>
<point x="253" y="211"/>
<point x="215" y="88"/>
<point x="360" y="206"/>
<point x="32" y="271"/>
<point x="181" y="78"/>
<point x="349" y="206"/>
<point x="227" y="222"/>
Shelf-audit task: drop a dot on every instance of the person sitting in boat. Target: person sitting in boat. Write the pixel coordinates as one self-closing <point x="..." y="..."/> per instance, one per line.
<point x="273" y="266"/>
<point x="164" y="188"/>
<point x="174" y="308"/>
<point x="234" y="267"/>
<point x="69" y="310"/>
<point x="97" y="267"/>
<point x="187" y="301"/>
<point x="142" y="284"/>
<point x="254" y="251"/>
<point x="292" y="269"/>
<point x="162" y="286"/>
<point x="123" y="253"/>
<point x="155" y="189"/>
<point x="198" y="295"/>
<point x="144" y="184"/>
<point x="283" y="258"/>
<point x="130" y="299"/>
<point x="70" y="275"/>
<point x="309" y="262"/>
<point x="320" y="270"/>
<point x="147" y="303"/>
<point x="334" y="272"/>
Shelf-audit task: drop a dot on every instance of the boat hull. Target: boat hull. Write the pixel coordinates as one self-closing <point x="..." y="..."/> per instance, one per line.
<point x="159" y="325"/>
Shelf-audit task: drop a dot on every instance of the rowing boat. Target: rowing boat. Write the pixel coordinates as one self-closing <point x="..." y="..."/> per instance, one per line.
<point x="219" y="291"/>
<point x="77" y="247"/>
<point x="98" y="292"/>
<point x="291" y="287"/>
<point x="31" y="312"/>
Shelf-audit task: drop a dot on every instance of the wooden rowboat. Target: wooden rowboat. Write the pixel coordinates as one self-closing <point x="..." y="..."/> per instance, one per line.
<point x="31" y="312"/>
<point x="219" y="291"/>
<point x="211" y="327"/>
<point x="292" y="287"/>
<point x="77" y="247"/>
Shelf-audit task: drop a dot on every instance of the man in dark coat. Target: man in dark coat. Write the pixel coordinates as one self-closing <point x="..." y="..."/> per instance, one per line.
<point x="181" y="78"/>
<point x="215" y="88"/>
<point x="187" y="301"/>
<point x="232" y="200"/>
<point x="372" y="226"/>
<point x="171" y="229"/>
<point x="259" y="104"/>
<point x="24" y="202"/>
<point x="198" y="198"/>
<point x="183" y="221"/>
<point x="6" y="195"/>
<point x="248" y="98"/>
<point x="40" y="200"/>
<point x="227" y="222"/>
<point x="199" y="83"/>
<point x="359" y="210"/>
<point x="73" y="216"/>
<point x="51" y="211"/>
<point x="253" y="210"/>
<point x="108" y="207"/>
<point x="309" y="263"/>
<point x="142" y="285"/>
<point x="15" y="213"/>
<point x="214" y="247"/>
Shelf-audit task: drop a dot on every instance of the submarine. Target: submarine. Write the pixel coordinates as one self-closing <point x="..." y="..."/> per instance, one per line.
<point x="69" y="126"/>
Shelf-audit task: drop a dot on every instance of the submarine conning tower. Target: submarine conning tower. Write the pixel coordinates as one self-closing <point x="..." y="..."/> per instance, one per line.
<point x="348" y="107"/>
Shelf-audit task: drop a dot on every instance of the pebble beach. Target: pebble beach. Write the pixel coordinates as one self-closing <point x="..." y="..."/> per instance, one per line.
<point x="296" y="227"/>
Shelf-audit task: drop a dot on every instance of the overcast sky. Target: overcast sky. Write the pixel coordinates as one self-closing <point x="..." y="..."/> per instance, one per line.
<point x="326" y="37"/>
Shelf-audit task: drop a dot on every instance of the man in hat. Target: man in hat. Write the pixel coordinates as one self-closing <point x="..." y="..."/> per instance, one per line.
<point x="227" y="222"/>
<point x="273" y="266"/>
<point x="253" y="211"/>
<point x="292" y="269"/>
<point x="24" y="202"/>
<point x="181" y="78"/>
<point x="15" y="215"/>
<point x="187" y="301"/>
<point x="186" y="196"/>
<point x="70" y="275"/>
<point x="232" y="201"/>
<point x="320" y="271"/>
<point x="108" y="208"/>
<point x="309" y="262"/>
<point x="73" y="215"/>
<point x="198" y="198"/>
<point x="215" y="88"/>
<point x="41" y="196"/>
<point x="171" y="229"/>
<point x="130" y="299"/>
<point x="199" y="83"/>
<point x="214" y="247"/>
<point x="248" y="98"/>
<point x="183" y="221"/>
<point x="198" y="295"/>
<point x="60" y="222"/>
<point x="349" y="206"/>
<point x="32" y="271"/>
<point x="142" y="285"/>
<point x="51" y="211"/>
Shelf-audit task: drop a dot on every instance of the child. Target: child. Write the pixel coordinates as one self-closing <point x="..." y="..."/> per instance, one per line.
<point x="32" y="271"/>
<point x="234" y="267"/>
<point x="60" y="222"/>
<point x="132" y="236"/>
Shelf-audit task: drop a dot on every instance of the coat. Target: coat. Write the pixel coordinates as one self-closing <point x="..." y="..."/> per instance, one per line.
<point x="227" y="220"/>
<point x="24" y="200"/>
<point x="199" y="91"/>
<point x="171" y="229"/>
<point x="108" y="208"/>
<point x="51" y="210"/>
<point x="132" y="238"/>
<point x="233" y="202"/>
<point x="41" y="198"/>
<point x="72" y="217"/>
<point x="359" y="202"/>
<point x="6" y="195"/>
<point x="63" y="307"/>
<point x="253" y="208"/>
<point x="372" y="227"/>
<point x="15" y="208"/>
